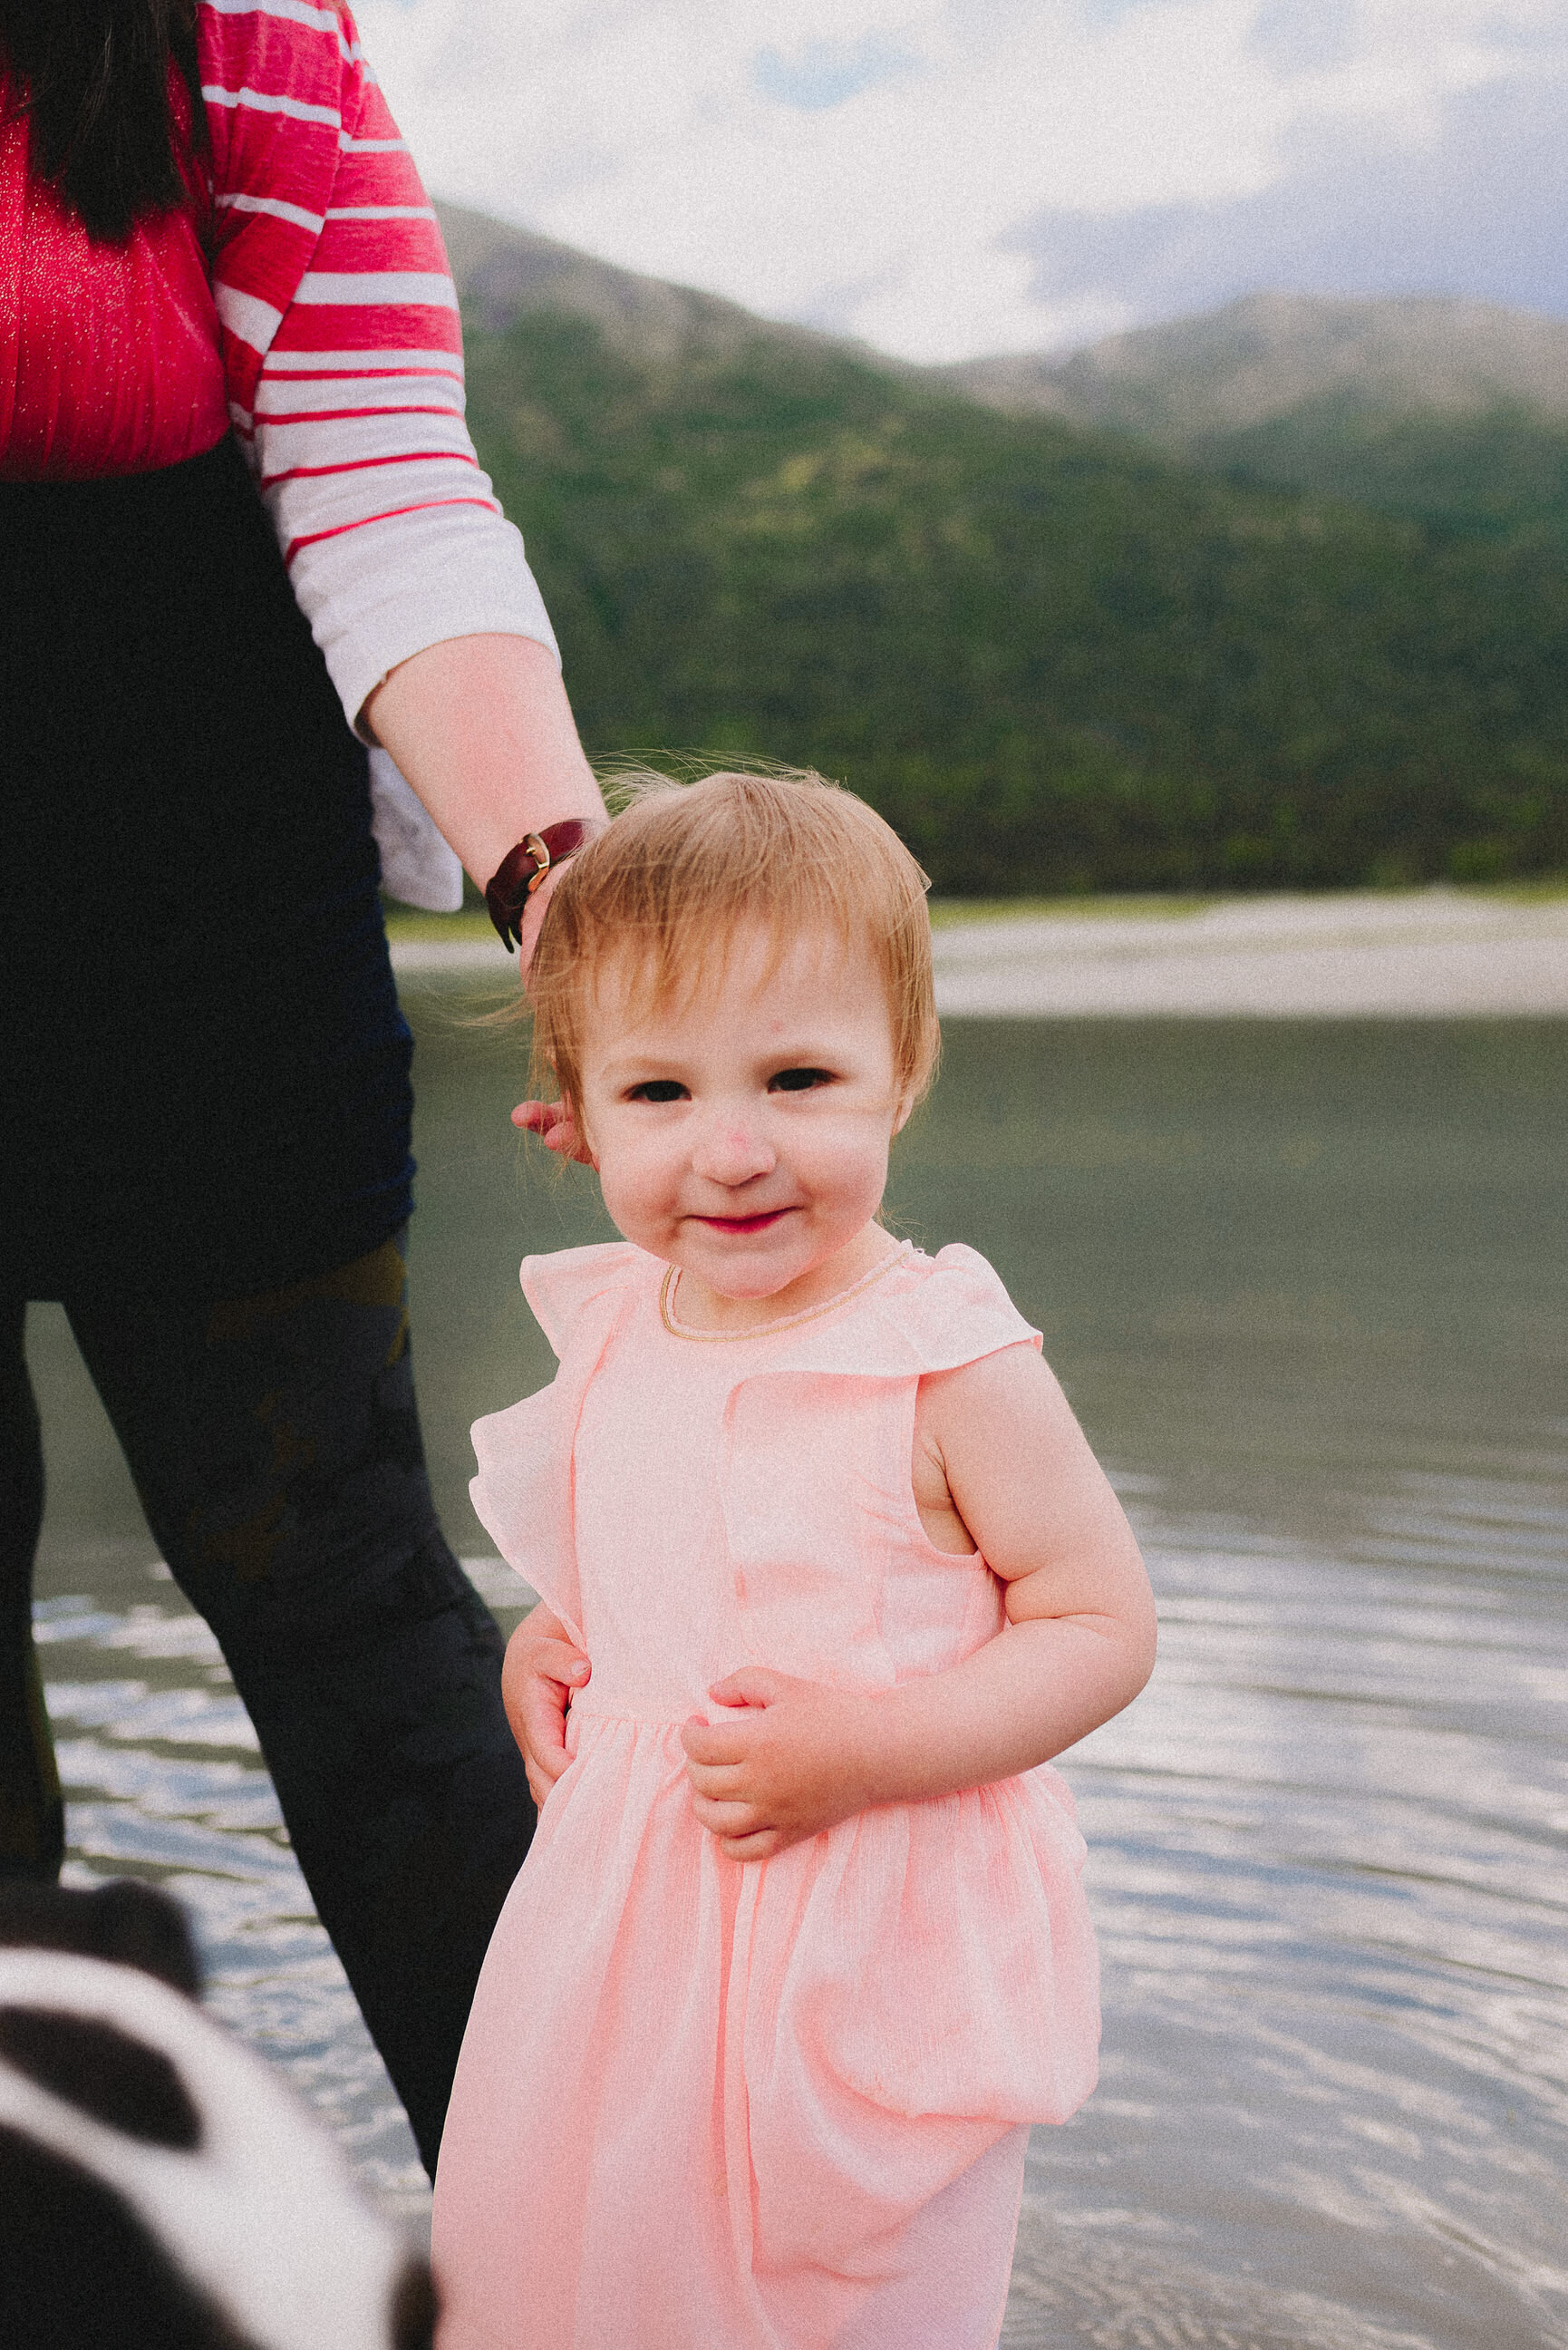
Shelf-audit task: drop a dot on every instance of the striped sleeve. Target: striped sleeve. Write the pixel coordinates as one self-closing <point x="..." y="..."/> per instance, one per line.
<point x="344" y="351"/>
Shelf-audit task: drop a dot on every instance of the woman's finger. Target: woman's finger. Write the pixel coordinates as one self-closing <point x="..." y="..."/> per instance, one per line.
<point x="549" y="1120"/>
<point x="554" y="1125"/>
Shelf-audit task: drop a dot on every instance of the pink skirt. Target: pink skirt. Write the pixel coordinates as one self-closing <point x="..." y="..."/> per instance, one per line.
<point x="704" y="2106"/>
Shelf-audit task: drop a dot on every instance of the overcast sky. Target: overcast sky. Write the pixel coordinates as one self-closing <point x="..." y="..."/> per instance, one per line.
<point x="947" y="180"/>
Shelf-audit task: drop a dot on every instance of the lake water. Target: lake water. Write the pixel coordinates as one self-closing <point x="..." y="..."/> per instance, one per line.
<point x="1307" y="1285"/>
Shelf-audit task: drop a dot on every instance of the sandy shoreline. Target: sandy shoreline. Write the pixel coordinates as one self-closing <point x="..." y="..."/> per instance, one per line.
<point x="1438" y="954"/>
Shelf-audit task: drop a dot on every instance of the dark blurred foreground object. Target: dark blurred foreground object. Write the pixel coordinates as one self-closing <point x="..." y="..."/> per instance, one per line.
<point x="159" y="2190"/>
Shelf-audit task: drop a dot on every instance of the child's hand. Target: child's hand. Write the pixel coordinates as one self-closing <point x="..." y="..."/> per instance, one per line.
<point x="553" y="1123"/>
<point x="542" y="1669"/>
<point x="782" y="1765"/>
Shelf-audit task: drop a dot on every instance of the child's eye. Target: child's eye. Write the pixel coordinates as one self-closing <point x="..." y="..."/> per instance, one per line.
<point x="799" y="1081"/>
<point x="658" y="1089"/>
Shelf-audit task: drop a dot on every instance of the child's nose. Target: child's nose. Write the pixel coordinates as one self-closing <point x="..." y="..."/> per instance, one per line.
<point x="731" y="1150"/>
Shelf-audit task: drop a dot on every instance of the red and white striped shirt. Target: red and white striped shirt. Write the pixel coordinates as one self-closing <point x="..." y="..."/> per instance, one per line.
<point x="310" y="258"/>
<point x="342" y="349"/>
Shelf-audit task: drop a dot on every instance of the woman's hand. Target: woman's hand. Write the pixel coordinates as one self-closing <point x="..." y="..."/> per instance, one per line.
<point x="542" y="1669"/>
<point x="785" y="1761"/>
<point x="554" y="1125"/>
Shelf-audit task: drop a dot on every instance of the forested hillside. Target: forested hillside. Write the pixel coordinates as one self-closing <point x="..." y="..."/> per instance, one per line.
<point x="1055" y="659"/>
<point x="1449" y="412"/>
<point x="1500" y="475"/>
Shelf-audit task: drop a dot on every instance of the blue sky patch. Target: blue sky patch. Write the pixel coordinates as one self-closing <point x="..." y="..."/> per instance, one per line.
<point x="821" y="74"/>
<point x="1100" y="13"/>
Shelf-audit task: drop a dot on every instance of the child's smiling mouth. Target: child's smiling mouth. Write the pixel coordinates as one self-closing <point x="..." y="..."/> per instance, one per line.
<point x="761" y="1222"/>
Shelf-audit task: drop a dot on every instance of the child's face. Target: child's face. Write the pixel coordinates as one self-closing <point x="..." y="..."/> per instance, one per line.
<point x="743" y="1134"/>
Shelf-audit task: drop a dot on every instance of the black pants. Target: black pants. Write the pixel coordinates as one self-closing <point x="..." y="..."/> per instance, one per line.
<point x="275" y="1448"/>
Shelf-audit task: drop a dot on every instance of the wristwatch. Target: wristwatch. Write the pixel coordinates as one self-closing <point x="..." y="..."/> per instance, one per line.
<point x="523" y="869"/>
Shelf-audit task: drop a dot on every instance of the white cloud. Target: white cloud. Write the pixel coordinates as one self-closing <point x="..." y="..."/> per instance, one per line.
<point x="868" y="164"/>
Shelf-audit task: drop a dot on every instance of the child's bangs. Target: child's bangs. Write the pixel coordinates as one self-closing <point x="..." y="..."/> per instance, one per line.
<point x="666" y="968"/>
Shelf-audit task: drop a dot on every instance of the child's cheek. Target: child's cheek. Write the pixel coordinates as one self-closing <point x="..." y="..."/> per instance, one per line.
<point x="620" y="1197"/>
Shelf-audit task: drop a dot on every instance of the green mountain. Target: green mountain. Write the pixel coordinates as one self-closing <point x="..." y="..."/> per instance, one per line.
<point x="1269" y="355"/>
<point x="1452" y="413"/>
<point x="1054" y="659"/>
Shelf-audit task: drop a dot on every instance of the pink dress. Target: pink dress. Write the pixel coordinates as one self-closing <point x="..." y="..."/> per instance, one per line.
<point x="705" y="2104"/>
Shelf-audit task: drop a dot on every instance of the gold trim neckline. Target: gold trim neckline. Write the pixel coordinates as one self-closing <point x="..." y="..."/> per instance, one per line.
<point x="786" y="1321"/>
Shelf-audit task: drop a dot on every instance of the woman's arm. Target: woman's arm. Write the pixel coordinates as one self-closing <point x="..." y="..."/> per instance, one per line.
<point x="343" y="359"/>
<point x="789" y="1758"/>
<point x="482" y="728"/>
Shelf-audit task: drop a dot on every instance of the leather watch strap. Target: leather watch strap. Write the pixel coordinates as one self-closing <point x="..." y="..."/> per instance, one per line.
<point x="523" y="869"/>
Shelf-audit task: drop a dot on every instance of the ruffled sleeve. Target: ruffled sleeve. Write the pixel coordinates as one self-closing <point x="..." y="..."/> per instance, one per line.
<point x="522" y="1492"/>
<point x="953" y="1310"/>
<point x="563" y="1287"/>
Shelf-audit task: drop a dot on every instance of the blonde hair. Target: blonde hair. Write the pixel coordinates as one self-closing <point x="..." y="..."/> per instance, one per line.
<point x="683" y="865"/>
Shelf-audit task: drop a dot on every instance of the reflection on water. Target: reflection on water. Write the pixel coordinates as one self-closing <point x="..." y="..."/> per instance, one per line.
<point x="1328" y="1862"/>
<point x="1307" y="1286"/>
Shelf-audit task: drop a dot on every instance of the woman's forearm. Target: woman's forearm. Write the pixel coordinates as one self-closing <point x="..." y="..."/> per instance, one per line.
<point x="482" y="728"/>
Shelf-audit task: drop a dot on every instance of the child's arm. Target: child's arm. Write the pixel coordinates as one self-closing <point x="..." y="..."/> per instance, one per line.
<point x="792" y="1757"/>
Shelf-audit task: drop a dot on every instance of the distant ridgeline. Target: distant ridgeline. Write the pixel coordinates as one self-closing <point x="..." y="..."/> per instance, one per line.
<point x="1057" y="658"/>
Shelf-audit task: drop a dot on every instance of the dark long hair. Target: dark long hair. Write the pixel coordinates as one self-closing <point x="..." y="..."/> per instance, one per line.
<point x="94" y="76"/>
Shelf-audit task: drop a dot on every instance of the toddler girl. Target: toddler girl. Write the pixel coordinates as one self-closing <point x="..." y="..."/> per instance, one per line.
<point x="800" y="1948"/>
